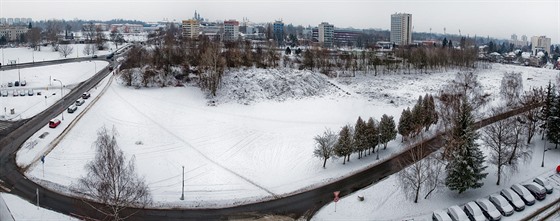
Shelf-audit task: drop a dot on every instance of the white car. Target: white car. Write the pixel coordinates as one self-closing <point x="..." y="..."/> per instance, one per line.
<point x="488" y="209"/>
<point x="537" y="190"/>
<point x="525" y="195"/>
<point x="473" y="212"/>
<point x="513" y="199"/>
<point x="440" y="215"/>
<point x="544" y="182"/>
<point x="457" y="213"/>
<point x="501" y="204"/>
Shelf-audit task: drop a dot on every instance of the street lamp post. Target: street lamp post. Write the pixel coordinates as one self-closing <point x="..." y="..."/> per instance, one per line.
<point x="62" y="96"/>
<point x="378" y="142"/>
<point x="183" y="189"/>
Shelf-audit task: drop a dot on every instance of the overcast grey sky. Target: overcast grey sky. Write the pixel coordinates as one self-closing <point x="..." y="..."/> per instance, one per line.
<point x="497" y="18"/>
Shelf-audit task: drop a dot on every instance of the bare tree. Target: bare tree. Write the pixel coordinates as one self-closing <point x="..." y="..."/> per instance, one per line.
<point x="212" y="68"/>
<point x="531" y="117"/>
<point x="65" y="50"/>
<point x="423" y="175"/>
<point x="325" y="145"/>
<point x="511" y="88"/>
<point x="497" y="136"/>
<point x="99" y="38"/>
<point x="34" y="37"/>
<point x="111" y="180"/>
<point x="53" y="28"/>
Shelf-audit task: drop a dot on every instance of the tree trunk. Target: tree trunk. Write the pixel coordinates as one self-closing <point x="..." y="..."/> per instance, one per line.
<point x="344" y="160"/>
<point x="417" y="193"/>
<point x="324" y="163"/>
<point x="499" y="173"/>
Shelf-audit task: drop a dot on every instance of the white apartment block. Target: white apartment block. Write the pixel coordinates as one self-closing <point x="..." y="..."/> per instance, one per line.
<point x="231" y="30"/>
<point x="190" y="28"/>
<point x="401" y="28"/>
<point x="326" y="34"/>
<point x="11" y="33"/>
<point x="540" y="43"/>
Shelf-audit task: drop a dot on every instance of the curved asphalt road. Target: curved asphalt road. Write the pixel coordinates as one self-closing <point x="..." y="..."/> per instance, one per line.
<point x="296" y="205"/>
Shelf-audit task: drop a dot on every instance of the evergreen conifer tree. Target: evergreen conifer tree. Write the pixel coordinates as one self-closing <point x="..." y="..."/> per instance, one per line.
<point x="387" y="130"/>
<point x="372" y="134"/>
<point x="405" y="122"/>
<point x="466" y="169"/>
<point x="360" y="137"/>
<point x="343" y="147"/>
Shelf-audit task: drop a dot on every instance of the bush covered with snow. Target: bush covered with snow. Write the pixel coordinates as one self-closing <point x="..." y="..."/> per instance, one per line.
<point x="147" y="76"/>
<point x="253" y="85"/>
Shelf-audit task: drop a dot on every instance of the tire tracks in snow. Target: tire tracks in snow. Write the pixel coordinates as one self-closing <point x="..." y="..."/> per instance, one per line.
<point x="192" y="147"/>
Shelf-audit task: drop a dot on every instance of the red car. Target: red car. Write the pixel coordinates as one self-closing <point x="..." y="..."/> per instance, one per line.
<point x="54" y="123"/>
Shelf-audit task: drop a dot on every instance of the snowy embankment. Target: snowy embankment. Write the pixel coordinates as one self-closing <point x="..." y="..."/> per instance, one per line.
<point x="22" y="210"/>
<point x="236" y="153"/>
<point x="41" y="79"/>
<point x="47" y="53"/>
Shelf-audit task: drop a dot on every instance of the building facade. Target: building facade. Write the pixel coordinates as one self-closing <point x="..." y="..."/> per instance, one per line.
<point x="401" y="28"/>
<point x="11" y="33"/>
<point x="231" y="30"/>
<point x="518" y="43"/>
<point x="326" y="34"/>
<point x="191" y="28"/>
<point x="540" y="43"/>
<point x="278" y="32"/>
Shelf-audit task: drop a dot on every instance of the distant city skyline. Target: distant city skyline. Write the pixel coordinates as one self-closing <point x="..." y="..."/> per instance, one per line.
<point x="494" y="18"/>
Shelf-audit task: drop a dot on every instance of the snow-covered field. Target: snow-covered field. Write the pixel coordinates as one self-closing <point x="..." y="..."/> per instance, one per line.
<point x="40" y="79"/>
<point x="27" y="55"/>
<point x="22" y="210"/>
<point x="235" y="153"/>
<point x="381" y="199"/>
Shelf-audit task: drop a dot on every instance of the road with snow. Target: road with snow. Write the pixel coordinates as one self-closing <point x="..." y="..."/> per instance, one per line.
<point x="296" y="205"/>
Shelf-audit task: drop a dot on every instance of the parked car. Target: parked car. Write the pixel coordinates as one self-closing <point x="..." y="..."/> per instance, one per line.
<point x="54" y="123"/>
<point x="513" y="199"/>
<point x="501" y="204"/>
<point x="38" y="93"/>
<point x="4" y="93"/>
<point x="473" y="212"/>
<point x="30" y="92"/>
<point x="489" y="210"/>
<point x="544" y="182"/>
<point x="15" y="93"/>
<point x="80" y="101"/>
<point x="537" y="190"/>
<point x="22" y="93"/>
<point x="94" y="56"/>
<point x="16" y="83"/>
<point x="10" y="84"/>
<point x="23" y="83"/>
<point x="86" y="95"/>
<point x="72" y="108"/>
<point x="525" y="195"/>
<point x="440" y="215"/>
<point x="457" y="213"/>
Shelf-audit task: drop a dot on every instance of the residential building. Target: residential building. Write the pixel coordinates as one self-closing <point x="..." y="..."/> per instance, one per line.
<point x="346" y="37"/>
<point x="212" y="30"/>
<point x="231" y="30"/>
<point x="191" y="28"/>
<point x="127" y="28"/>
<point x="401" y="28"/>
<point x="278" y="28"/>
<point x="11" y="33"/>
<point x="3" y="21"/>
<point x="540" y="43"/>
<point x="518" y="43"/>
<point x="10" y="21"/>
<point x="326" y="34"/>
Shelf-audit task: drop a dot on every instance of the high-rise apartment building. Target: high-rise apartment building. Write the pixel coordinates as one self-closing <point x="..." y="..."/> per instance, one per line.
<point x="540" y="43"/>
<point x="278" y="28"/>
<point x="401" y="28"/>
<point x="326" y="34"/>
<point x="190" y="28"/>
<point x="231" y="30"/>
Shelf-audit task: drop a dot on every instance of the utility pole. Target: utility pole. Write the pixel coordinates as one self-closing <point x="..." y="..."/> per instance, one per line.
<point x="183" y="189"/>
<point x="37" y="192"/>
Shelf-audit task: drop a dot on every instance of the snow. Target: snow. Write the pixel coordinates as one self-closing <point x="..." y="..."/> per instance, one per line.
<point x="236" y="153"/>
<point x="27" y="55"/>
<point x="39" y="79"/>
<point x="25" y="211"/>
<point x="382" y="198"/>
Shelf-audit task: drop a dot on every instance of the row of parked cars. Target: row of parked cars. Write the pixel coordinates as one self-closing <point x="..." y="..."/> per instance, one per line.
<point x="71" y="109"/>
<point x="15" y="93"/>
<point x="17" y="83"/>
<point x="498" y="204"/>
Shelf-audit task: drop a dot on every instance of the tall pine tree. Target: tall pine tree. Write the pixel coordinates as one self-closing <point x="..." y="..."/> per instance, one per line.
<point x="372" y="134"/>
<point x="360" y="137"/>
<point x="405" y="127"/>
<point x="343" y="147"/>
<point x="465" y="170"/>
<point x="387" y="130"/>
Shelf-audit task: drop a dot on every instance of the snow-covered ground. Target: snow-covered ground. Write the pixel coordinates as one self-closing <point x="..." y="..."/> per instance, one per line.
<point x="40" y="79"/>
<point x="381" y="199"/>
<point x="235" y="153"/>
<point x="27" y="55"/>
<point x="22" y="210"/>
